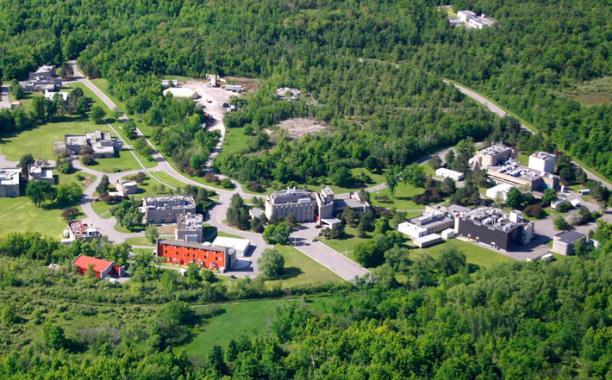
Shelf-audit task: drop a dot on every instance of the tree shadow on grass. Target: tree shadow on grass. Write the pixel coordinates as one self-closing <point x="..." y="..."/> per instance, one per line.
<point x="291" y="272"/>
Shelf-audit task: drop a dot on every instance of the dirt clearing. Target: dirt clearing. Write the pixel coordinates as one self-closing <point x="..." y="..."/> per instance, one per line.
<point x="299" y="127"/>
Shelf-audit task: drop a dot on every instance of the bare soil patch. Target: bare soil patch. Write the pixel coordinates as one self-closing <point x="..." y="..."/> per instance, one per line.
<point x="298" y="127"/>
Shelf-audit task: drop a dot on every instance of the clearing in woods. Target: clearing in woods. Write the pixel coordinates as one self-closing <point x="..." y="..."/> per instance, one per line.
<point x="298" y="127"/>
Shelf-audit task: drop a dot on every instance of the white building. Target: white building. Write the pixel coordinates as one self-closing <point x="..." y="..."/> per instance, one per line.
<point x="126" y="187"/>
<point x="427" y="240"/>
<point x="471" y="20"/>
<point x="181" y="92"/>
<point x="448" y="173"/>
<point x="50" y="95"/>
<point x="240" y="246"/>
<point x="9" y="182"/>
<point x="499" y="192"/>
<point x="543" y="162"/>
<point x="41" y="172"/>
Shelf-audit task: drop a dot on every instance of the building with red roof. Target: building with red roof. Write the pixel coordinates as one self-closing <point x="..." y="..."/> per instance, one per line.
<point x="102" y="268"/>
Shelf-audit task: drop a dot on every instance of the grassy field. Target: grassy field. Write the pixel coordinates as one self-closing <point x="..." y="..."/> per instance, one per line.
<point x="301" y="270"/>
<point x="139" y="240"/>
<point x="245" y="318"/>
<point x="20" y="215"/>
<point x="347" y="245"/>
<point x="167" y="179"/>
<point x="124" y="161"/>
<point x="402" y="200"/>
<point x="591" y="93"/>
<point x="39" y="141"/>
<point x="474" y="253"/>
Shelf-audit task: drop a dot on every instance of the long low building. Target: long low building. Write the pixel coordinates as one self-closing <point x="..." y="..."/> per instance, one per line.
<point x="240" y="246"/>
<point x="203" y="255"/>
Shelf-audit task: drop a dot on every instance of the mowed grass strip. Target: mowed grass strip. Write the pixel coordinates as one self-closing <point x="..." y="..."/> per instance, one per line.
<point x="301" y="270"/>
<point x="474" y="254"/>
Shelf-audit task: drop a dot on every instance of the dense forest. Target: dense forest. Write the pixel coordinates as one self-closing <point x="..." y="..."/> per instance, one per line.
<point x="372" y="69"/>
<point x="422" y="317"/>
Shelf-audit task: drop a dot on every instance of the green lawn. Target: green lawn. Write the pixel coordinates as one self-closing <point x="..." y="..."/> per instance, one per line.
<point x="301" y="270"/>
<point x="139" y="240"/>
<point x="235" y="142"/>
<point x="167" y="179"/>
<point x="347" y="245"/>
<point x="39" y="141"/>
<point x="244" y="318"/>
<point x="474" y="253"/>
<point x="20" y="215"/>
<point x="124" y="161"/>
<point x="402" y="199"/>
<point x="102" y="209"/>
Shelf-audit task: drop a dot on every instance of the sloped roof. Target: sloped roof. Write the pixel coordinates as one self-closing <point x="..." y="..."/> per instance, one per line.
<point x="99" y="265"/>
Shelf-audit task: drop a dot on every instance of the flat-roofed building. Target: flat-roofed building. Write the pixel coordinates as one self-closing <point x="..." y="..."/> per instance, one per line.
<point x="499" y="192"/>
<point x="189" y="227"/>
<point x="426" y="224"/>
<point x="493" y="227"/>
<point x="102" y="144"/>
<point x="166" y="209"/>
<point x="43" y="79"/>
<point x="448" y="173"/>
<point x="203" y="255"/>
<point x="126" y="188"/>
<point x="512" y="173"/>
<point x="41" y="171"/>
<point x="543" y="162"/>
<point x="240" y="246"/>
<point x="564" y="242"/>
<point x="300" y="203"/>
<point x="10" y="180"/>
<point x="492" y="155"/>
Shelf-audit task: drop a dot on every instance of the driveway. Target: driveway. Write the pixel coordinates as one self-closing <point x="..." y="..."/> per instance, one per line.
<point x="304" y="241"/>
<point x="4" y="96"/>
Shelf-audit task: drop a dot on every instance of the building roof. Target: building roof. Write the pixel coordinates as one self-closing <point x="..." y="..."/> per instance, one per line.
<point x="84" y="262"/>
<point x="189" y="222"/>
<point x="569" y="236"/>
<point x="169" y="202"/>
<point x="291" y="195"/>
<point x="9" y="176"/>
<point x="191" y="244"/>
<point x="543" y="156"/>
<point x="233" y="243"/>
<point x="256" y="212"/>
<point x="180" y="92"/>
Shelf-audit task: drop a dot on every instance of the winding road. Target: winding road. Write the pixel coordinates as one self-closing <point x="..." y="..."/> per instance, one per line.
<point x="212" y="99"/>
<point x="499" y="111"/>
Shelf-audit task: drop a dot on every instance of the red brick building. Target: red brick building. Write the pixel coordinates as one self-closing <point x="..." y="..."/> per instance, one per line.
<point x="102" y="268"/>
<point x="204" y="255"/>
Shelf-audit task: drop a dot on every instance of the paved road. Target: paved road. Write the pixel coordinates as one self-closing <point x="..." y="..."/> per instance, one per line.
<point x="304" y="240"/>
<point x="501" y="113"/>
<point x="248" y="266"/>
